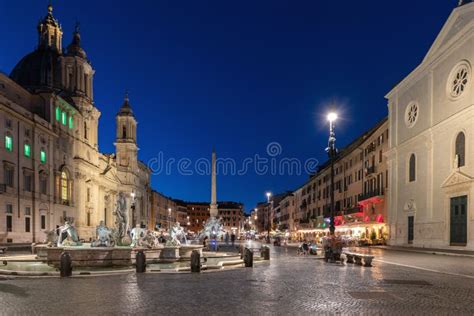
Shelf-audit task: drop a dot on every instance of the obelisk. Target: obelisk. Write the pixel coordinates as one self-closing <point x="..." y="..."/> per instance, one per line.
<point x="213" y="207"/>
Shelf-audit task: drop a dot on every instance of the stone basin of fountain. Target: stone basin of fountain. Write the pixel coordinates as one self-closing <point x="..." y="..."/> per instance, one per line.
<point x="87" y="256"/>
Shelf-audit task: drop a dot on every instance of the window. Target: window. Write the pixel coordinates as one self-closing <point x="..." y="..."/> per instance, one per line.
<point x="8" y="123"/>
<point x="27" y="224"/>
<point x="9" y="209"/>
<point x="380" y="156"/>
<point x="43" y="221"/>
<point x="85" y="130"/>
<point x="88" y="196"/>
<point x="8" y="143"/>
<point x="58" y="113"/>
<point x="8" y="175"/>
<point x="27" y="211"/>
<point x="412" y="168"/>
<point x="42" y="156"/>
<point x="27" y="182"/>
<point x="9" y="223"/>
<point x="411" y="114"/>
<point x="124" y="132"/>
<point x="63" y="118"/>
<point x="64" y="187"/>
<point x="27" y="150"/>
<point x="43" y="182"/>
<point x="461" y="150"/>
<point x="71" y="122"/>
<point x="459" y="79"/>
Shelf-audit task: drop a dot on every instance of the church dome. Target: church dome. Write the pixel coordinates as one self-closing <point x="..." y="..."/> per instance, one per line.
<point x="38" y="69"/>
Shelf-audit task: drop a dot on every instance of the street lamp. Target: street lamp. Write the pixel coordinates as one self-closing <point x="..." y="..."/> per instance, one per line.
<point x="332" y="152"/>
<point x="169" y="217"/>
<point x="269" y="195"/>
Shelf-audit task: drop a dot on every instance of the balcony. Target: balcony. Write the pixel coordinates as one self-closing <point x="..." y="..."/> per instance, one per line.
<point x="370" y="170"/>
<point x="371" y="194"/>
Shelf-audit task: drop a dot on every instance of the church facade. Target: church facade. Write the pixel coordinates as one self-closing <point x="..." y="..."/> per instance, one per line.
<point x="51" y="167"/>
<point x="431" y="155"/>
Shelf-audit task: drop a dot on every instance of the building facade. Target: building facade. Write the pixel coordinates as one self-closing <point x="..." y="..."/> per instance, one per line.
<point x="52" y="169"/>
<point x="431" y="115"/>
<point x="232" y="215"/>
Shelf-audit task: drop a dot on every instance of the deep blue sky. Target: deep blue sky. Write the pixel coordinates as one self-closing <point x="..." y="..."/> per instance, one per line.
<point x="236" y="75"/>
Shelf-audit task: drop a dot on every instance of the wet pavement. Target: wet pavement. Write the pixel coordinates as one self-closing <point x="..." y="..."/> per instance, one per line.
<point x="288" y="285"/>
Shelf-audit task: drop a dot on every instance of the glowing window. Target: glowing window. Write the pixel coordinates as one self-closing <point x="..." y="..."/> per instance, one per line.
<point x="58" y="113"/>
<point x="42" y="156"/>
<point x="71" y="122"/>
<point x="27" y="150"/>
<point x="8" y="143"/>
<point x="64" y="186"/>
<point x="63" y="118"/>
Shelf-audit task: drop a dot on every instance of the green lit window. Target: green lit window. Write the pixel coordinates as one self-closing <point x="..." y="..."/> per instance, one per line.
<point x="64" y="118"/>
<point x="71" y="122"/>
<point x="58" y="113"/>
<point x="27" y="150"/>
<point x="8" y="143"/>
<point x="42" y="156"/>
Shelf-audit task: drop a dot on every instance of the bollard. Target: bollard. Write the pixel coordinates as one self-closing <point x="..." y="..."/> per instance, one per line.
<point x="65" y="265"/>
<point x="248" y="258"/>
<point x="140" y="262"/>
<point x="265" y="252"/>
<point x="195" y="261"/>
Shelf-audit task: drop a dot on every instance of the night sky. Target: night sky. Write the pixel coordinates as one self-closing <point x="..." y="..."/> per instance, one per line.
<point x="236" y="75"/>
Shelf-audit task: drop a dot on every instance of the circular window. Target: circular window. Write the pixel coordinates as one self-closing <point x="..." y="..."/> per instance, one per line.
<point x="459" y="80"/>
<point x="411" y="114"/>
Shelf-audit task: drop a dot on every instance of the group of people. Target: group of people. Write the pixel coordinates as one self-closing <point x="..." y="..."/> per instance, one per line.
<point x="226" y="237"/>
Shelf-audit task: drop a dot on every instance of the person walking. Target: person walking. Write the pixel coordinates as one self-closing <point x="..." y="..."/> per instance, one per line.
<point x="232" y="238"/>
<point x="227" y="238"/>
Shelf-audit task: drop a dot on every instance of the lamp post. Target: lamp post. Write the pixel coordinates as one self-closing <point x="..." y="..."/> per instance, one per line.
<point x="169" y="218"/>
<point x="269" y="195"/>
<point x="332" y="152"/>
<point x="132" y="207"/>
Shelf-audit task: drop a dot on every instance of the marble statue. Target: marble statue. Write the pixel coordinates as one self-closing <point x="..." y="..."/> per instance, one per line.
<point x="104" y="236"/>
<point x="51" y="238"/>
<point x="68" y="235"/>
<point x="121" y="217"/>
<point x="137" y="235"/>
<point x="177" y="235"/>
<point x="150" y="240"/>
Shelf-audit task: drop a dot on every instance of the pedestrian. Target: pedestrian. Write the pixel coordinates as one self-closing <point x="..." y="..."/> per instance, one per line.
<point x="232" y="238"/>
<point x="227" y="238"/>
<point x="204" y="242"/>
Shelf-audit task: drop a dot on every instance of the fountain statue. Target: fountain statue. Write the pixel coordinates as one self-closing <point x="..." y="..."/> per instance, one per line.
<point x="68" y="235"/>
<point x="137" y="235"/>
<point x="121" y="219"/>
<point x="104" y="236"/>
<point x="177" y="235"/>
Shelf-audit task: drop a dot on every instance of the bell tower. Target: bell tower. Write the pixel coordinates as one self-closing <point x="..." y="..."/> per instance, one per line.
<point x="126" y="137"/>
<point x="50" y="34"/>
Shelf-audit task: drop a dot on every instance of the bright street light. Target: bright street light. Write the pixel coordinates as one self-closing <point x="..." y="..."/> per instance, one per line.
<point x="332" y="117"/>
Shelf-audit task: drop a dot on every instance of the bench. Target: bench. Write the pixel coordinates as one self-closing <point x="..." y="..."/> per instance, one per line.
<point x="357" y="258"/>
<point x="3" y="250"/>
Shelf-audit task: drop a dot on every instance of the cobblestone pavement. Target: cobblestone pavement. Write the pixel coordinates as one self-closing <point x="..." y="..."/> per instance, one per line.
<point x="288" y="285"/>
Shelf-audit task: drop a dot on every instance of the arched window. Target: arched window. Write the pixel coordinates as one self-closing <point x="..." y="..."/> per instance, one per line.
<point x="124" y="132"/>
<point x="461" y="149"/>
<point x="85" y="130"/>
<point x="412" y="168"/>
<point x="64" y="187"/>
